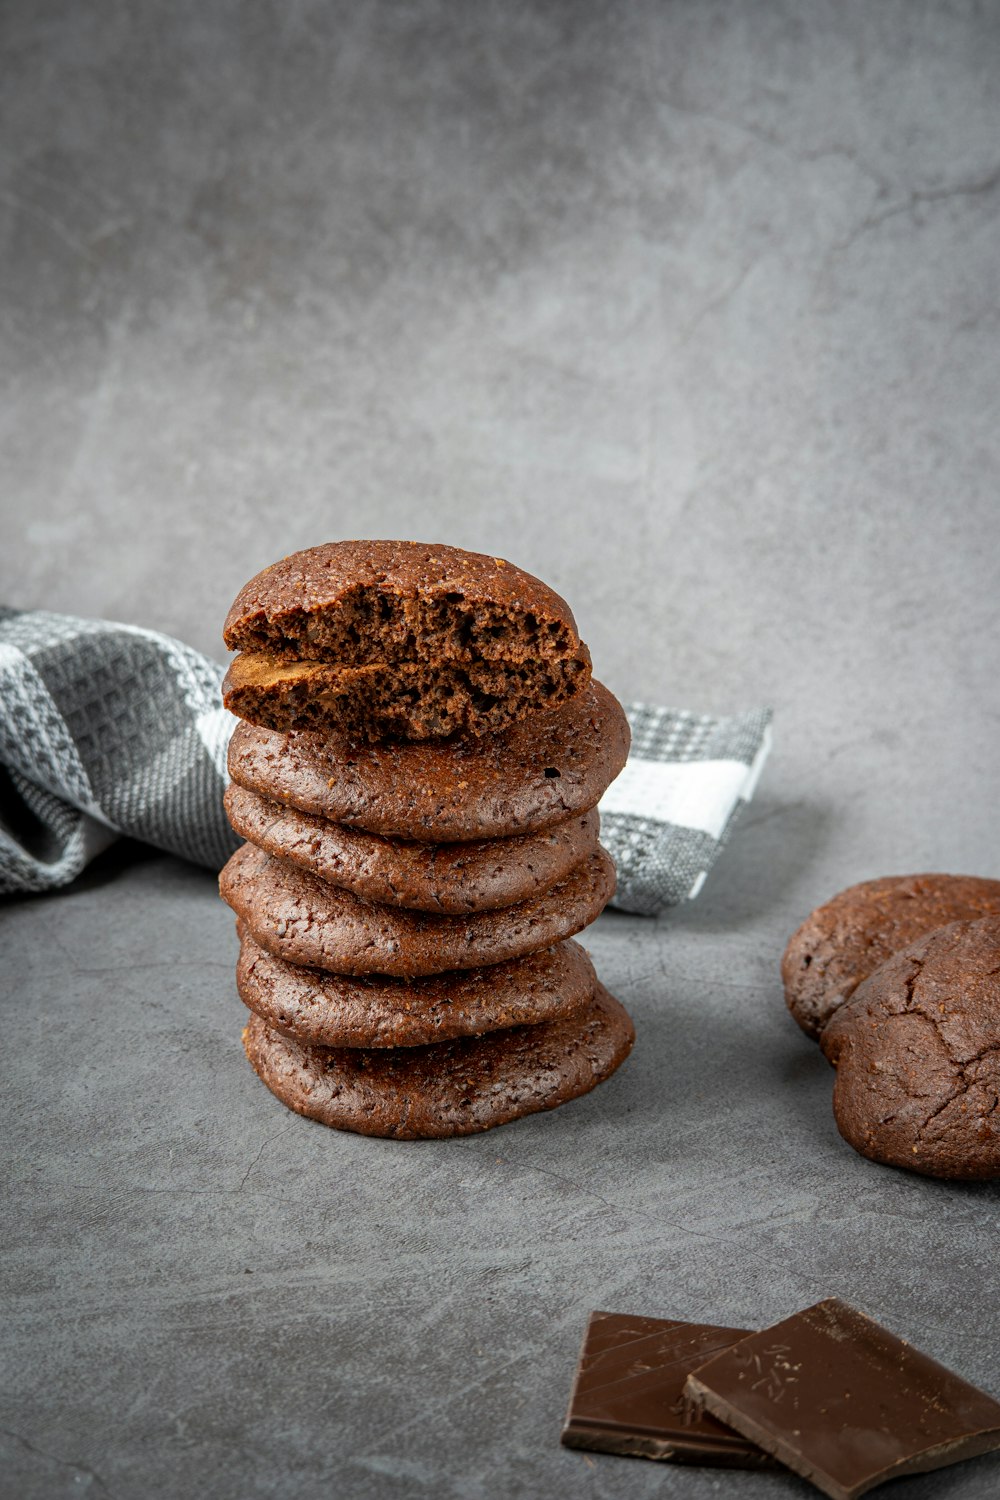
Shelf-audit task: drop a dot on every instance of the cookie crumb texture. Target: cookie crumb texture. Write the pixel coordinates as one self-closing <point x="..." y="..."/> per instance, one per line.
<point x="405" y="639"/>
<point x="369" y="601"/>
<point x="917" y="1053"/>
<point x="450" y="1088"/>
<point x="846" y="939"/>
<point x="419" y="700"/>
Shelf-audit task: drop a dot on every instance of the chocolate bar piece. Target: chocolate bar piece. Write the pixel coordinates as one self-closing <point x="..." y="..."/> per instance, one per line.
<point x="628" y="1394"/>
<point x="844" y="1402"/>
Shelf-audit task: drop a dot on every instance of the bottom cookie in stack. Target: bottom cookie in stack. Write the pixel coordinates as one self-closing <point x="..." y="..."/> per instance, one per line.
<point x="394" y="1021"/>
<point x="448" y="1088"/>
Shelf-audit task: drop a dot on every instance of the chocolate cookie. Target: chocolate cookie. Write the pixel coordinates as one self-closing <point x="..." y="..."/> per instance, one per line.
<point x="335" y="1010"/>
<point x="451" y="878"/>
<point x="842" y="942"/>
<point x="536" y="774"/>
<point x="917" y="1053"/>
<point x="399" y="639"/>
<point x="371" y="601"/>
<point x="305" y="920"/>
<point x="405" y="700"/>
<point x="450" y="1088"/>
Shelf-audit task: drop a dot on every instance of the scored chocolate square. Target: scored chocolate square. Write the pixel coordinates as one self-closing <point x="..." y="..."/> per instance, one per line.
<point x="628" y="1394"/>
<point x="844" y="1402"/>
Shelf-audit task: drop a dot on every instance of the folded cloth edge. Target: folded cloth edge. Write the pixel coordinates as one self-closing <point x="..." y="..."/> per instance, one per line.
<point x="669" y="815"/>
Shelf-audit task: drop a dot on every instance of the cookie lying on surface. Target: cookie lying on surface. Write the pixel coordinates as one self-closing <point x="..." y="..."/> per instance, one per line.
<point x="318" y="1008"/>
<point x="449" y="1088"/>
<point x="846" y="939"/>
<point x="305" y="920"/>
<point x="402" y="639"/>
<point x="535" y="774"/>
<point x="917" y="1053"/>
<point x="480" y="875"/>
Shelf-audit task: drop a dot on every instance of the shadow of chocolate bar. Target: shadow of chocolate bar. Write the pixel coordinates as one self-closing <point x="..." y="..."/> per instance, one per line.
<point x="628" y="1394"/>
<point x="844" y="1402"/>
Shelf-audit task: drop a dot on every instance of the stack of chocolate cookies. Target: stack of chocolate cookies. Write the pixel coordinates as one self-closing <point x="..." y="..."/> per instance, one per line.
<point x="417" y="778"/>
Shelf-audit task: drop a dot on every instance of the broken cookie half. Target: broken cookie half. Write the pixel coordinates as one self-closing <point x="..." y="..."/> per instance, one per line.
<point x="399" y="639"/>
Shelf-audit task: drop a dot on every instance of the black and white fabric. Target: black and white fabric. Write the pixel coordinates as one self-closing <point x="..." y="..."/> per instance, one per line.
<point x="670" y="812"/>
<point x="110" y="729"/>
<point x="105" y="729"/>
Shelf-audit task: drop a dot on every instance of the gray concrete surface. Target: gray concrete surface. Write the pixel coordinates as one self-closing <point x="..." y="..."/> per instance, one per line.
<point x="691" y="309"/>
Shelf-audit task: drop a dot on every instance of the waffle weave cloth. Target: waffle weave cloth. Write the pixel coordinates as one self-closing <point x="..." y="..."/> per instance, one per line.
<point x="109" y="729"/>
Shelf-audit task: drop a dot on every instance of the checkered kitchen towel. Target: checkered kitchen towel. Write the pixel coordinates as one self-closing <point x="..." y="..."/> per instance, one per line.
<point x="687" y="779"/>
<point x="108" y="729"/>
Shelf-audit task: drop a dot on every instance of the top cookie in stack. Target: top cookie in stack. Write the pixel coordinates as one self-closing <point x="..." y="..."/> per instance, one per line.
<point x="380" y="639"/>
<point x="417" y="782"/>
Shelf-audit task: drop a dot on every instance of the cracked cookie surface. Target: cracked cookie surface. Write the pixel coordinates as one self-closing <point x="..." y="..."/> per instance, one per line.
<point x="917" y="1053"/>
<point x="450" y="1088"/>
<point x="304" y="920"/>
<point x="846" y="939"/>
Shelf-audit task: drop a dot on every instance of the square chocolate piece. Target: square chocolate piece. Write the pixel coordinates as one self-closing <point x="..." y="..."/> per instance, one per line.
<point x="628" y="1395"/>
<point x="844" y="1402"/>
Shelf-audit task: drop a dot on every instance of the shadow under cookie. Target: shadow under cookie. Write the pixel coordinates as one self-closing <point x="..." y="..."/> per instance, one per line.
<point x="450" y="1088"/>
<point x="317" y="1008"/>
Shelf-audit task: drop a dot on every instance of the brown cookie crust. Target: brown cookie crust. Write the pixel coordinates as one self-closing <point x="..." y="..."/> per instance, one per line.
<point x="845" y="940"/>
<point x="335" y="1010"/>
<point x="450" y="1088"/>
<point x="534" y="775"/>
<point x="355" y="602"/>
<point x="305" y="920"/>
<point x="448" y="878"/>
<point x="917" y="1053"/>
<point x="405" y="700"/>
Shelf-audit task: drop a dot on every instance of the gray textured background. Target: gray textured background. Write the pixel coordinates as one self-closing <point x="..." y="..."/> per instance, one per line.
<point x="691" y="309"/>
